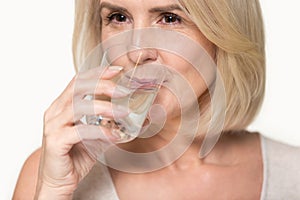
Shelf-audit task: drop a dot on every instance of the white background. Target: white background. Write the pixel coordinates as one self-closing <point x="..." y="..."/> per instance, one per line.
<point x="36" y="65"/>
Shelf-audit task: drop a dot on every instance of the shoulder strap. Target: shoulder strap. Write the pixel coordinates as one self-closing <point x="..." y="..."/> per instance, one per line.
<point x="281" y="170"/>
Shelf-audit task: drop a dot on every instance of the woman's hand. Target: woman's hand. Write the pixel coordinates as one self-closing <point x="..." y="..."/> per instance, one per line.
<point x="64" y="159"/>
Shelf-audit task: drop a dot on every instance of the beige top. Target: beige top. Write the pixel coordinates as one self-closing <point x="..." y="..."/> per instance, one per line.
<point x="281" y="176"/>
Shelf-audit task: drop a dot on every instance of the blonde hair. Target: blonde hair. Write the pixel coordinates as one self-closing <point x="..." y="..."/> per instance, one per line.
<point x="235" y="27"/>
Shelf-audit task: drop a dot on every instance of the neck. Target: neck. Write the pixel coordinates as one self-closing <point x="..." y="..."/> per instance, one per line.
<point x="167" y="149"/>
<point x="184" y="153"/>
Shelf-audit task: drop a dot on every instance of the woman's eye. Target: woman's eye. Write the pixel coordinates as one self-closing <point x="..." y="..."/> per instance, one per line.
<point x="170" y="18"/>
<point x="117" y="18"/>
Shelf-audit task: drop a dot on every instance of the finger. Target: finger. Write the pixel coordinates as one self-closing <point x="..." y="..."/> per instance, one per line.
<point x="78" y="83"/>
<point x="63" y="99"/>
<point x="93" y="87"/>
<point x="102" y="88"/>
<point x="81" y="83"/>
<point x="103" y="108"/>
<point x="90" y="132"/>
<point x="71" y="136"/>
<point x="73" y="113"/>
<point x="62" y="140"/>
<point x="99" y="72"/>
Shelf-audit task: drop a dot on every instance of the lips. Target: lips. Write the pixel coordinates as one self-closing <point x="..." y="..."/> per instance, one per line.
<point x="143" y="83"/>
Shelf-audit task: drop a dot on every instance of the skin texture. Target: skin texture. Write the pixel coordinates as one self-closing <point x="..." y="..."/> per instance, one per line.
<point x="233" y="170"/>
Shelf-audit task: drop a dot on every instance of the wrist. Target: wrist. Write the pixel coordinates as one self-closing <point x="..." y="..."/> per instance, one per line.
<point x="47" y="193"/>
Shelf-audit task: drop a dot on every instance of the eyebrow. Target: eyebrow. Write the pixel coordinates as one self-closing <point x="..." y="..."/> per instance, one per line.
<point x="111" y="7"/>
<point x="166" y="8"/>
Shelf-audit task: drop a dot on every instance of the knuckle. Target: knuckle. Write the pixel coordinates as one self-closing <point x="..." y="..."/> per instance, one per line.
<point x="48" y="130"/>
<point x="52" y="141"/>
<point x="105" y="87"/>
<point x="54" y="138"/>
<point x="47" y="114"/>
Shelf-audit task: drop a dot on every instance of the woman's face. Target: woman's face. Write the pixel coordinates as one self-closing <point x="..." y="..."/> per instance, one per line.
<point x="119" y="15"/>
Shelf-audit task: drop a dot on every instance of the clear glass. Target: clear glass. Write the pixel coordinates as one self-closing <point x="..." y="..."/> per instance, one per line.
<point x="141" y="83"/>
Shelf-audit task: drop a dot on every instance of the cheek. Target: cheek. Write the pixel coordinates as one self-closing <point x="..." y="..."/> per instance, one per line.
<point x="107" y="33"/>
<point x="188" y="72"/>
<point x="197" y="82"/>
<point x="111" y="31"/>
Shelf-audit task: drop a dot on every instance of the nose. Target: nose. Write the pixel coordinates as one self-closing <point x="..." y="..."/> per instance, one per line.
<point x="140" y="56"/>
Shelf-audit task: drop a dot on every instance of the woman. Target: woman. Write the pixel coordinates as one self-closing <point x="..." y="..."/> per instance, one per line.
<point x="241" y="165"/>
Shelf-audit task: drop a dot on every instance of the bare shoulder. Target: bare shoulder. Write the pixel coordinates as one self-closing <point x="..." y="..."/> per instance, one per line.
<point x="26" y="184"/>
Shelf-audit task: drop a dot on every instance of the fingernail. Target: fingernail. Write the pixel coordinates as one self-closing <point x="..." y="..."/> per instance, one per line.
<point x="115" y="68"/>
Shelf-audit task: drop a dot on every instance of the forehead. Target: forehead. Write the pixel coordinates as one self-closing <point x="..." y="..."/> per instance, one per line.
<point x="141" y="3"/>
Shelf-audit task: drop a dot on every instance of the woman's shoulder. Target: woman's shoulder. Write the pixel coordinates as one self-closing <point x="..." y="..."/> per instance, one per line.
<point x="27" y="180"/>
<point x="281" y="169"/>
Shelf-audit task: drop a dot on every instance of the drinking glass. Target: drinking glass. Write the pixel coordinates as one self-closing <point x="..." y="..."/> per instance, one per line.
<point x="141" y="83"/>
